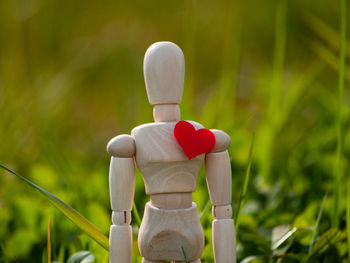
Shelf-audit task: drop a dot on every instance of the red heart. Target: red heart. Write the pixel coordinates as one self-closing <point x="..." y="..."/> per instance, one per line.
<point x="193" y="142"/>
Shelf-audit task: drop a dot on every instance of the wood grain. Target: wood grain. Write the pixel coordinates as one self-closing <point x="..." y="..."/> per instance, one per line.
<point x="218" y="175"/>
<point x="222" y="141"/>
<point x="152" y="261"/>
<point x="164" y="232"/>
<point x="222" y="212"/>
<point x="164" y="72"/>
<point x="166" y="112"/>
<point x="122" y="183"/>
<point x="121" y="218"/>
<point x="172" y="200"/>
<point x="122" y="146"/>
<point x="224" y="242"/>
<point x="162" y="162"/>
<point x="120" y="244"/>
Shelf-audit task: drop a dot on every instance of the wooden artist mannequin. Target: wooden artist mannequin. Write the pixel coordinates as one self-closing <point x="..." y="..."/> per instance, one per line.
<point x="170" y="227"/>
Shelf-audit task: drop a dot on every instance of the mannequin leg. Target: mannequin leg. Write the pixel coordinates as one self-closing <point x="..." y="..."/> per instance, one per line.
<point x="151" y="261"/>
<point x="193" y="261"/>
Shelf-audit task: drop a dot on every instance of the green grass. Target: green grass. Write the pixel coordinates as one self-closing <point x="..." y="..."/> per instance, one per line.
<point x="348" y="215"/>
<point x="315" y="232"/>
<point x="339" y="120"/>
<point x="48" y="246"/>
<point x="73" y="215"/>
<point x="136" y="214"/>
<point x="270" y="131"/>
<point x="242" y="197"/>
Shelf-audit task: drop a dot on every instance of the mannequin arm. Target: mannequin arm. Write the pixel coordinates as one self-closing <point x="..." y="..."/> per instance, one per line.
<point x="121" y="188"/>
<point x="219" y="181"/>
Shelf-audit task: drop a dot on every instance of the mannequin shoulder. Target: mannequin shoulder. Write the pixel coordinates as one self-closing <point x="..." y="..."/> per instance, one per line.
<point x="122" y="146"/>
<point x="222" y="140"/>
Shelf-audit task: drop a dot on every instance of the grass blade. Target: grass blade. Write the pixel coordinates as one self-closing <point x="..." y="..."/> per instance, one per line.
<point x="348" y="216"/>
<point x="82" y="257"/>
<point x="245" y="186"/>
<point x="2" y="250"/>
<point x="48" y="246"/>
<point x="183" y="252"/>
<point x="285" y="237"/>
<point x="325" y="31"/>
<point x="80" y="221"/>
<point x="326" y="240"/>
<point x="136" y="214"/>
<point x="328" y="56"/>
<point x="268" y="133"/>
<point x="204" y="212"/>
<point x="338" y="166"/>
<point x="314" y="234"/>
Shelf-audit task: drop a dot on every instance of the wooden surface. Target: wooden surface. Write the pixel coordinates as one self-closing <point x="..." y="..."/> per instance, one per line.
<point x="162" y="162"/>
<point x="164" y="231"/>
<point x="218" y="175"/>
<point x="166" y="112"/>
<point x="121" y="218"/>
<point x="164" y="72"/>
<point x="121" y="146"/>
<point x="122" y="183"/>
<point x="224" y="241"/>
<point x="194" y="261"/>
<point x="152" y="261"/>
<point x="164" y="261"/>
<point x="120" y="243"/>
<point x="222" y="141"/>
<point x="222" y="212"/>
<point x="172" y="200"/>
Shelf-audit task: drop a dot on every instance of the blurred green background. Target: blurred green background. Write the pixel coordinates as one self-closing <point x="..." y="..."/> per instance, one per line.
<point x="71" y="79"/>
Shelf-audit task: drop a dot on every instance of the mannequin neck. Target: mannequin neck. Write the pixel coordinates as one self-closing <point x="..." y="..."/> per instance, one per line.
<point x="166" y="112"/>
